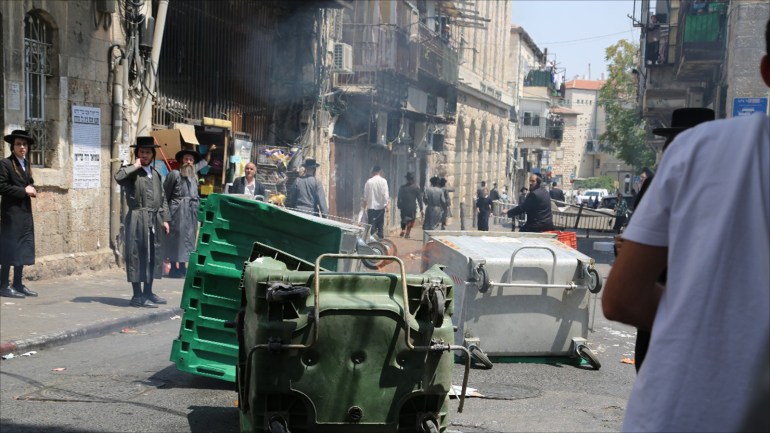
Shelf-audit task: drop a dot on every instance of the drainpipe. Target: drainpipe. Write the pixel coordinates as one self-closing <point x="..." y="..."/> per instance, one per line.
<point x="118" y="79"/>
<point x="145" y="112"/>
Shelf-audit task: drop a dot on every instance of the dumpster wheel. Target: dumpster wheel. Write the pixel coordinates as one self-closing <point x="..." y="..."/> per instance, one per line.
<point x="278" y="425"/>
<point x="479" y="355"/>
<point x="378" y="249"/>
<point x="595" y="284"/>
<point x="429" y="426"/>
<point x="589" y="356"/>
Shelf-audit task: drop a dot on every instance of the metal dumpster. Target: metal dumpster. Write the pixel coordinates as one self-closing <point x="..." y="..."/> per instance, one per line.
<point x="516" y="294"/>
<point x="229" y="227"/>
<point x="327" y="351"/>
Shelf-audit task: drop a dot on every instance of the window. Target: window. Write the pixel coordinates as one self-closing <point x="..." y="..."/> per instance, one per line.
<point x="527" y="118"/>
<point x="37" y="71"/>
<point x="536" y="120"/>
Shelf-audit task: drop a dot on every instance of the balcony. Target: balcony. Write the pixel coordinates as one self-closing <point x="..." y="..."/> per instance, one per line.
<point x="702" y="40"/>
<point x="436" y="58"/>
<point x="542" y="78"/>
<point x="594" y="147"/>
<point x="378" y="49"/>
<point x="550" y="129"/>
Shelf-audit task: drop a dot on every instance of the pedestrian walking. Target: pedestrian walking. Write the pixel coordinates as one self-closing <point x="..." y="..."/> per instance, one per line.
<point x="307" y="193"/>
<point x="146" y="223"/>
<point x="621" y="213"/>
<point x="181" y="189"/>
<point x="483" y="209"/>
<point x="434" y="204"/>
<point x="409" y="198"/>
<point x="17" y="229"/>
<point x="375" y="200"/>
<point x="446" y="210"/>
<point x="714" y="291"/>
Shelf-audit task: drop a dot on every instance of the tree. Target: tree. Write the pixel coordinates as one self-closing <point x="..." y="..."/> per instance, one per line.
<point x="625" y="133"/>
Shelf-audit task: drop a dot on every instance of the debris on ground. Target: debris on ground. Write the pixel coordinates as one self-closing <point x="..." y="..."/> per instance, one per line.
<point x="177" y="317"/>
<point x="58" y="369"/>
<point x="8" y="356"/>
<point x="128" y="331"/>
<point x="627" y="361"/>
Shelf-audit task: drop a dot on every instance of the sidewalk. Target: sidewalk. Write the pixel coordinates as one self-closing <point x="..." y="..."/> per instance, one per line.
<point x="76" y="308"/>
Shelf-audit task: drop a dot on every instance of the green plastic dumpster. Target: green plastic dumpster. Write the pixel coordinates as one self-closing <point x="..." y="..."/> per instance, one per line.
<point x="230" y="225"/>
<point x="327" y="351"/>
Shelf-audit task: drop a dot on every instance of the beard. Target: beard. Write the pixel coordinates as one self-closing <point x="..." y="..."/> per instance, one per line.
<point x="189" y="172"/>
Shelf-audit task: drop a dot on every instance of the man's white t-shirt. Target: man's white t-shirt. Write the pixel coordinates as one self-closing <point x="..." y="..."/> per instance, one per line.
<point x="712" y="328"/>
<point x="376" y="194"/>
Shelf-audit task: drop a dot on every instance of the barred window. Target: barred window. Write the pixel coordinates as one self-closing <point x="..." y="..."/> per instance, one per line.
<point x="37" y="71"/>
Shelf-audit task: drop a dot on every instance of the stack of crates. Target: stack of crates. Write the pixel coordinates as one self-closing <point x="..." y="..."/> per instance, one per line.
<point x="229" y="227"/>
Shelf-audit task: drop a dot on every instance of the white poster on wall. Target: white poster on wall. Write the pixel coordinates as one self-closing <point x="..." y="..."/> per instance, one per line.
<point x="86" y="142"/>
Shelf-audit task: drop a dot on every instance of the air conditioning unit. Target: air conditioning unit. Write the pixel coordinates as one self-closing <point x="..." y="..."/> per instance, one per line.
<point x="343" y="58"/>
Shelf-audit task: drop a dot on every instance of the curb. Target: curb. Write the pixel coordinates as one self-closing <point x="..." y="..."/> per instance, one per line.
<point x="87" y="332"/>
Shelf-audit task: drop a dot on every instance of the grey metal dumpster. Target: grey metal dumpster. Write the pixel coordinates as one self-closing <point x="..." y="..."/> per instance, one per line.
<point x="517" y="294"/>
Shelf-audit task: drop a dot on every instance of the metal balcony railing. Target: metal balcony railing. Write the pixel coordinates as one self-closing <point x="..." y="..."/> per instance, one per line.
<point x="437" y="59"/>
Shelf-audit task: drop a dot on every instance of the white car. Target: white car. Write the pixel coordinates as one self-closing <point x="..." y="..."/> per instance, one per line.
<point x="596" y="193"/>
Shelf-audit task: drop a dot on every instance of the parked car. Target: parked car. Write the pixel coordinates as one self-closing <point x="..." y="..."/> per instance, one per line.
<point x="610" y="201"/>
<point x="597" y="193"/>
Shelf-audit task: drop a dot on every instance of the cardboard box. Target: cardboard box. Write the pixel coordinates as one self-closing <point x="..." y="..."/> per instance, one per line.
<point x="171" y="141"/>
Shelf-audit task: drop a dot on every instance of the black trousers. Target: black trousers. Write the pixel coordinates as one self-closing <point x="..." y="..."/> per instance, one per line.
<point x="5" y="274"/>
<point x="376" y="218"/>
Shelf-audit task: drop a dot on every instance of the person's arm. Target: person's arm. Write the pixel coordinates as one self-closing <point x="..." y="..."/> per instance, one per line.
<point x="165" y="214"/>
<point x="170" y="184"/>
<point x="6" y="188"/>
<point x="631" y="294"/>
<point x="320" y="198"/>
<point x="419" y="201"/>
<point x="367" y="194"/>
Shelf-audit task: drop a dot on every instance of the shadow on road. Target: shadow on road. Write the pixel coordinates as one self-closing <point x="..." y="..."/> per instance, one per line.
<point x="173" y="378"/>
<point x="106" y="300"/>
<point x="204" y="419"/>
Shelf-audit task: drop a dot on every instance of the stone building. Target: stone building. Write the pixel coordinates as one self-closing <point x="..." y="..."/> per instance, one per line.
<point x="700" y="54"/>
<point x="56" y="83"/>
<point x="479" y="144"/>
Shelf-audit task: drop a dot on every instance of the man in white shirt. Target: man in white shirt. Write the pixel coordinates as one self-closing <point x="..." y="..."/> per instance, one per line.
<point x="376" y="200"/>
<point x="711" y="332"/>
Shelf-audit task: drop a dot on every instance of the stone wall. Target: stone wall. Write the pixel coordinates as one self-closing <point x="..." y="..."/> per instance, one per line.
<point x="71" y="225"/>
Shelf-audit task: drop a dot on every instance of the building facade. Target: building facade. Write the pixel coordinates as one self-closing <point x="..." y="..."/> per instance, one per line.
<point x="57" y="84"/>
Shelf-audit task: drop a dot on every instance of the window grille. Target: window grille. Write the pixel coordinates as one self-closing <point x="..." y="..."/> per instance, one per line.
<point x="37" y="70"/>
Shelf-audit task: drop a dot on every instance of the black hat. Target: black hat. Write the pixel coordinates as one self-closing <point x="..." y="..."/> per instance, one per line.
<point x="145" y="143"/>
<point x="19" y="133"/>
<point x="310" y="163"/>
<point x="183" y="152"/>
<point x="685" y="118"/>
<point x="410" y="176"/>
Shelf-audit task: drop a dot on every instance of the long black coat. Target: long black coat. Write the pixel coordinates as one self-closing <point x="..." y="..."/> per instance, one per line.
<point x="17" y="230"/>
<point x="537" y="206"/>
<point x="147" y="211"/>
<point x="409" y="197"/>
<point x="183" y="202"/>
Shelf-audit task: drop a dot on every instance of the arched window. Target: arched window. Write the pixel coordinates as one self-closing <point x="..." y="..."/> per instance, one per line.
<point x="38" y="53"/>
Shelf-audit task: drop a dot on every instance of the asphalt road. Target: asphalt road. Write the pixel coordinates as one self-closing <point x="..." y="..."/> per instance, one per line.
<point x="123" y="382"/>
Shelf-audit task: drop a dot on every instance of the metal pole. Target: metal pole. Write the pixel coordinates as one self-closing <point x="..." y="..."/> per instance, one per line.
<point x="145" y="112"/>
<point x="462" y="215"/>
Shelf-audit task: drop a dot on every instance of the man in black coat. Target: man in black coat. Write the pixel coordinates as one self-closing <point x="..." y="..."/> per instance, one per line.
<point x="537" y="206"/>
<point x="17" y="230"/>
<point x="556" y="193"/>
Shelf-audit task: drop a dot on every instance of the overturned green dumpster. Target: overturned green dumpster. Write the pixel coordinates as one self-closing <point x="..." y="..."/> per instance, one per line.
<point x="230" y="225"/>
<point x="325" y="351"/>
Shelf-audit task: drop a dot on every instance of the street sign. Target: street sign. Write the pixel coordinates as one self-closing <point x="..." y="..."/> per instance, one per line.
<point x="749" y="106"/>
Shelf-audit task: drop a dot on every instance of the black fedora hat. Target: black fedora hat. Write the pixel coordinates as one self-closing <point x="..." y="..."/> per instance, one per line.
<point x="685" y="118"/>
<point x="409" y="176"/>
<point x="183" y="152"/>
<point x="145" y="143"/>
<point x="19" y="133"/>
<point x="310" y="163"/>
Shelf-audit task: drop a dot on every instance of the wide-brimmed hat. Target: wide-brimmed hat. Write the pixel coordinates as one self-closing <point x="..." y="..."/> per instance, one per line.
<point x="19" y="133"/>
<point x="409" y="176"/>
<point x="145" y="143"/>
<point x="685" y="118"/>
<point x="310" y="163"/>
<point x="183" y="152"/>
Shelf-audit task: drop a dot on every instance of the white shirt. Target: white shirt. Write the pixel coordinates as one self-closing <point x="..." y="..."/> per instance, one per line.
<point x="148" y="170"/>
<point x="712" y="328"/>
<point x="22" y="163"/>
<point x="376" y="193"/>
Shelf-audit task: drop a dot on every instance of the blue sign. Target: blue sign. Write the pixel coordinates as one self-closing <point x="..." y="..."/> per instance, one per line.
<point x="749" y="106"/>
